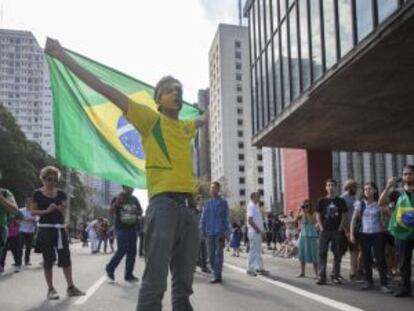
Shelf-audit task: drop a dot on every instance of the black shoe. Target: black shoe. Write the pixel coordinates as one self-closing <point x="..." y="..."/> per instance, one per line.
<point x="216" y="281"/>
<point x="131" y="279"/>
<point x="110" y="274"/>
<point x="205" y="270"/>
<point x="262" y="271"/>
<point x="403" y="292"/>
<point x="321" y="282"/>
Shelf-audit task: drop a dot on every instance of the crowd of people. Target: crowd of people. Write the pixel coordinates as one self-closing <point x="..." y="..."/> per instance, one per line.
<point x="377" y="228"/>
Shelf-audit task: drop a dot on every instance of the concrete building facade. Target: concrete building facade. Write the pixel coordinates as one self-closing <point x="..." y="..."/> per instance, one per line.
<point x="234" y="161"/>
<point x="24" y="86"/>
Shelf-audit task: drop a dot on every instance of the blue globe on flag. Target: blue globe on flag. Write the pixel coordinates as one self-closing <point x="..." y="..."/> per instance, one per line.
<point x="130" y="138"/>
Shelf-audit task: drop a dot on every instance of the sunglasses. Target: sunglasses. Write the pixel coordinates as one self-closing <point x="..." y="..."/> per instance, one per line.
<point x="51" y="179"/>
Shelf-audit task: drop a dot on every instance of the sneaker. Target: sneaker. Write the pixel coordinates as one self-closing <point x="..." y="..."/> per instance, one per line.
<point x="28" y="263"/>
<point x="251" y="273"/>
<point x="262" y="271"/>
<point x="205" y="270"/>
<point x="300" y="275"/>
<point x="321" y="282"/>
<point x="110" y="274"/>
<point x="131" y="279"/>
<point x="52" y="294"/>
<point x="216" y="281"/>
<point x="17" y="269"/>
<point x="336" y="281"/>
<point x="73" y="291"/>
<point x="367" y="286"/>
<point x="403" y="292"/>
<point x="386" y="290"/>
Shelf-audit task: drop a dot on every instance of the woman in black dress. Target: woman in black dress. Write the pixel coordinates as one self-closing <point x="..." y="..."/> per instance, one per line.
<point x="49" y="203"/>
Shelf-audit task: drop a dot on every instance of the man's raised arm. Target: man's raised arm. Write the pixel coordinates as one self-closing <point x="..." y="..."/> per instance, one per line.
<point x="55" y="50"/>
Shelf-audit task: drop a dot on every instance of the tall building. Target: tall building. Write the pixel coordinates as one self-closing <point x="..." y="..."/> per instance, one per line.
<point x="234" y="161"/>
<point x="332" y="90"/>
<point x="201" y="151"/>
<point x="99" y="192"/>
<point x="24" y="86"/>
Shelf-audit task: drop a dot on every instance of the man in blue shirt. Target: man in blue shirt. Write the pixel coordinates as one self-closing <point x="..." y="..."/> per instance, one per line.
<point x="215" y="226"/>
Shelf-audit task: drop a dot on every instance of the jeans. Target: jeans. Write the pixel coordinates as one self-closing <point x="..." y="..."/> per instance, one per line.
<point x="172" y="238"/>
<point x="127" y="245"/>
<point x="215" y="252"/>
<point x="255" y="261"/>
<point x="405" y="250"/>
<point x="374" y="242"/>
<point x="26" y="242"/>
<point x="325" y="238"/>
<point x="202" y="255"/>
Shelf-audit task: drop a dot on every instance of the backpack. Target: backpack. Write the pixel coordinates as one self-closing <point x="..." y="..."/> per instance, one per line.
<point x="358" y="225"/>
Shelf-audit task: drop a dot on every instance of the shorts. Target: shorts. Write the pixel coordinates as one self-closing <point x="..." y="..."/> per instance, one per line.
<point x="47" y="244"/>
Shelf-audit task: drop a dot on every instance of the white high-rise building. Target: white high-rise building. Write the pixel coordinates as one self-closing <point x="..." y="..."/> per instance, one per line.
<point x="24" y="86"/>
<point x="233" y="158"/>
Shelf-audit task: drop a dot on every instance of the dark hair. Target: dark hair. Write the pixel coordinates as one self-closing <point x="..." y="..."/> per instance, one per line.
<point x="332" y="181"/>
<point x="373" y="185"/>
<point x="253" y="194"/>
<point x="164" y="80"/>
<point x="409" y="167"/>
<point x="216" y="183"/>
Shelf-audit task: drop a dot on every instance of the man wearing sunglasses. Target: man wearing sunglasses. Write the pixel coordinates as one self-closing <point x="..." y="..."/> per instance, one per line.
<point x="171" y="230"/>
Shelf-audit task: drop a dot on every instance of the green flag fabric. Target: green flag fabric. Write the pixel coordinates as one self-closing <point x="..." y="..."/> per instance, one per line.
<point x="91" y="134"/>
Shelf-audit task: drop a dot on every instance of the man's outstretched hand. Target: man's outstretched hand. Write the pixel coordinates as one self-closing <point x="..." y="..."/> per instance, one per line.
<point x="53" y="48"/>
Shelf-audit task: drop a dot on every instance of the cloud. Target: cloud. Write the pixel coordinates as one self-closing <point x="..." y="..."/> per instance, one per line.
<point x="221" y="11"/>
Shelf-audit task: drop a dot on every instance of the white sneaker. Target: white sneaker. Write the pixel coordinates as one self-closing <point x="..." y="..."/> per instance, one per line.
<point x="17" y="269"/>
<point x="386" y="290"/>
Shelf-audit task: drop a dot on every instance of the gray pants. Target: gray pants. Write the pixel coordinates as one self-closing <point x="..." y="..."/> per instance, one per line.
<point x="172" y="238"/>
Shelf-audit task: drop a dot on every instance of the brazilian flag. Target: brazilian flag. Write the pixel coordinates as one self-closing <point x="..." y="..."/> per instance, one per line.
<point x="91" y="134"/>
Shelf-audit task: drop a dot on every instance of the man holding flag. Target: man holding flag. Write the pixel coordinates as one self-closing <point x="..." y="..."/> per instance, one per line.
<point x="171" y="233"/>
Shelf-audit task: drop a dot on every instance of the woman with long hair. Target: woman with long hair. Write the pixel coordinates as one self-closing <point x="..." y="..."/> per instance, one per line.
<point x="372" y="234"/>
<point x="308" y="238"/>
<point x="49" y="203"/>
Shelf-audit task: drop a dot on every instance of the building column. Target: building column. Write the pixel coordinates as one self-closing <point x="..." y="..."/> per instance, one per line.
<point x="304" y="173"/>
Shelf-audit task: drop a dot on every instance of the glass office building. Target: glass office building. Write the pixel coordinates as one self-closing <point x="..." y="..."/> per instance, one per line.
<point x="294" y="44"/>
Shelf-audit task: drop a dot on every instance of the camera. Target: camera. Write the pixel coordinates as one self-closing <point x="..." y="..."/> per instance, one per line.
<point x="304" y="206"/>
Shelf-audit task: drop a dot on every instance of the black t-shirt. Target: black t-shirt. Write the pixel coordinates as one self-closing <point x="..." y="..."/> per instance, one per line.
<point x="127" y="212"/>
<point x="43" y="202"/>
<point x="394" y="195"/>
<point x="331" y="212"/>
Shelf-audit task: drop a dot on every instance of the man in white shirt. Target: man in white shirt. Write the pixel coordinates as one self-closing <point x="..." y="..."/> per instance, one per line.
<point x="27" y="230"/>
<point x="255" y="227"/>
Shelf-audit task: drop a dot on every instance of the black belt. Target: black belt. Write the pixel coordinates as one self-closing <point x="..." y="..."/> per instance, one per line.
<point x="184" y="198"/>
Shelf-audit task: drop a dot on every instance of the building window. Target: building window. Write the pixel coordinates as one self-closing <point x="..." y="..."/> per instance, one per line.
<point x="239" y="99"/>
<point x="241" y="180"/>
<point x="237" y="55"/>
<point x="238" y="66"/>
<point x="260" y="169"/>
<point x="330" y="33"/>
<point x="242" y="192"/>
<point x="241" y="145"/>
<point x="240" y="133"/>
<point x="239" y="88"/>
<point x="260" y="180"/>
<point x="365" y="21"/>
<point x="242" y="203"/>
<point x="345" y="26"/>
<point x="241" y="157"/>
<point x="261" y="192"/>
<point x="241" y="168"/>
<point x="239" y="110"/>
<point x="260" y="157"/>
<point x="386" y="8"/>
<point x="238" y="76"/>
<point x="239" y="122"/>
<point x="237" y="44"/>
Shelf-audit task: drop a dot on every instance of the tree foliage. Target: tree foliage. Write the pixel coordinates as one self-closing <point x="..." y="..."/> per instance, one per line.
<point x="21" y="161"/>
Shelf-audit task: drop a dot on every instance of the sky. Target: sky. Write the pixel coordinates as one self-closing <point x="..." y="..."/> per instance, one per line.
<point x="145" y="39"/>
